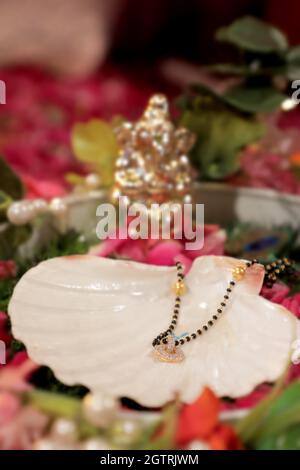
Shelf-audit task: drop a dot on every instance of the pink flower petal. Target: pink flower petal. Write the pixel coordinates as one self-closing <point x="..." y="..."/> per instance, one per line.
<point x="213" y="245"/>
<point x="277" y="294"/>
<point x="9" y="407"/>
<point x="13" y="377"/>
<point x="164" y="253"/>
<point x="185" y="261"/>
<point x="110" y="246"/>
<point x="133" y="250"/>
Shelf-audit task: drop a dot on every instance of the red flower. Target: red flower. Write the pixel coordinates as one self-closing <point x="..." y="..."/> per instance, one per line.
<point x="279" y="294"/>
<point x="200" y="421"/>
<point x="7" y="269"/>
<point x="224" y="438"/>
<point x="4" y="333"/>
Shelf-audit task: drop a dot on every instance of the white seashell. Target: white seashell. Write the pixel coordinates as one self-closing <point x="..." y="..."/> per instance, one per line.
<point x="295" y="358"/>
<point x="92" y="320"/>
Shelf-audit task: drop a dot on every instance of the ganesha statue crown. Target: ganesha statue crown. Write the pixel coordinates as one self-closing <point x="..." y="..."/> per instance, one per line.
<point x="152" y="165"/>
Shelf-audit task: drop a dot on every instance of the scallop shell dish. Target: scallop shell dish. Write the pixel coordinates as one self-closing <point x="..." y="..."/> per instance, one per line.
<point x="92" y="321"/>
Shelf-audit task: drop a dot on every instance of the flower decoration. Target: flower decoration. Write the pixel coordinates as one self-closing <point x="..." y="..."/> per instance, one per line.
<point x="280" y="294"/>
<point x="162" y="252"/>
<point x="199" y="421"/>
<point x="262" y="169"/>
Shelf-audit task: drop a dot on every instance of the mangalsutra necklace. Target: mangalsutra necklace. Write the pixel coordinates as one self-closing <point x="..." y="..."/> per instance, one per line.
<point x="168" y="347"/>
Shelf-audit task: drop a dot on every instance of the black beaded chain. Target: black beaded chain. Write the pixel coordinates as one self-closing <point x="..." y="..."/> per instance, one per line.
<point x="277" y="268"/>
<point x="273" y="271"/>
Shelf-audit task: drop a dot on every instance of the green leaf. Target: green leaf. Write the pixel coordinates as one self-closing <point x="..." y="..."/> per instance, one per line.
<point x="288" y="440"/>
<point x="221" y="133"/>
<point x="232" y="69"/>
<point x="94" y="142"/>
<point x="168" y="423"/>
<point x="55" y="403"/>
<point x="248" y="427"/>
<point x="293" y="55"/>
<point x="274" y="417"/>
<point x="59" y="405"/>
<point x="252" y="34"/>
<point x="283" y="413"/>
<point x="10" y="183"/>
<point x="258" y="70"/>
<point x="293" y="71"/>
<point x="11" y="236"/>
<point x="5" y="202"/>
<point x="254" y="100"/>
<point x="292" y="64"/>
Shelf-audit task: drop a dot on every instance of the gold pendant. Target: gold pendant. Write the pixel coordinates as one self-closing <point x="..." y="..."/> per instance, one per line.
<point x="168" y="352"/>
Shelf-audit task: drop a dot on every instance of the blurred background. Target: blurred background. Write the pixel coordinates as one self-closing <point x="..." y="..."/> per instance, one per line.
<point x="72" y="70"/>
<point x="76" y="37"/>
<point x="65" y="61"/>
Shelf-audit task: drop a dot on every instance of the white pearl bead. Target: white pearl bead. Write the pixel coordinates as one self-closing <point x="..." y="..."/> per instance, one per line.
<point x="92" y="181"/>
<point x="40" y="205"/>
<point x="65" y="430"/>
<point x="57" y="206"/>
<point x="99" y="409"/>
<point x="21" y="212"/>
<point x="95" y="443"/>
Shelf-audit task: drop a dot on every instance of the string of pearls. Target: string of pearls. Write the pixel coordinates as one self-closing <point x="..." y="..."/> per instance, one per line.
<point x="24" y="212"/>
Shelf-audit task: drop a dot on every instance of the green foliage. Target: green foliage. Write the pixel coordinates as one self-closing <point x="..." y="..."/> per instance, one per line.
<point x="6" y="290"/>
<point x="226" y="123"/>
<point x="287" y="440"/>
<point x="252" y="34"/>
<point x="94" y="143"/>
<point x="11" y="187"/>
<point x="69" y="243"/>
<point x="16" y="347"/>
<point x="264" y="56"/>
<point x="221" y="132"/>
<point x="254" y="100"/>
<point x="275" y="421"/>
<point x="5" y="202"/>
<point x="11" y="237"/>
<point x="10" y="183"/>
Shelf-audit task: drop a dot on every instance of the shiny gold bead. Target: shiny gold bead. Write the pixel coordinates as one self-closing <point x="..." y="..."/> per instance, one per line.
<point x="179" y="288"/>
<point x="238" y="273"/>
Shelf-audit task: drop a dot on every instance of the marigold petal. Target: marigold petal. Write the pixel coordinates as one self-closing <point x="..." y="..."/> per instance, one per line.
<point x="198" y="420"/>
